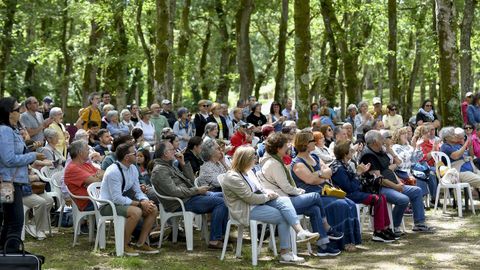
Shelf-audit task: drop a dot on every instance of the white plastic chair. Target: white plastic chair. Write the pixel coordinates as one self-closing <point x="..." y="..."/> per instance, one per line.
<point x="256" y="247"/>
<point x="118" y="221"/>
<point x="363" y="213"/>
<point x="458" y="187"/>
<point x="55" y="184"/>
<point x="79" y="215"/>
<point x="187" y="219"/>
<point x="293" y="235"/>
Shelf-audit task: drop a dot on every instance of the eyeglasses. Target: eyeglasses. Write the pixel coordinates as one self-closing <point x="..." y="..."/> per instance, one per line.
<point x="205" y="105"/>
<point x="393" y="109"/>
<point x="388" y="137"/>
<point x="428" y="105"/>
<point x="468" y="127"/>
<point x="16" y="109"/>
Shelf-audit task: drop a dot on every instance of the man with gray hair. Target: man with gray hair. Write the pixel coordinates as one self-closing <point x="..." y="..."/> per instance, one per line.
<point x="33" y="120"/>
<point x="395" y="191"/>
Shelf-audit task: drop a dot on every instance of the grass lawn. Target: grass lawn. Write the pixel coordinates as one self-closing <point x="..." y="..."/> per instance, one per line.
<point x="456" y="245"/>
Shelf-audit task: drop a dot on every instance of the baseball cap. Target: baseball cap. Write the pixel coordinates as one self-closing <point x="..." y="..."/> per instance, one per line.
<point x="376" y="100"/>
<point x="468" y="94"/>
<point x="166" y="102"/>
<point x="49" y="100"/>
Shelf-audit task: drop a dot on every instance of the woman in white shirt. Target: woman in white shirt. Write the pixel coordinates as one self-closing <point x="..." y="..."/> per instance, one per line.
<point x="392" y="120"/>
<point x="147" y="126"/>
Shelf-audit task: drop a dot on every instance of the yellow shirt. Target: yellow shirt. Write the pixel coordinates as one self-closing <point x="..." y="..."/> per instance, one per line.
<point x="94" y="116"/>
<point x="62" y="143"/>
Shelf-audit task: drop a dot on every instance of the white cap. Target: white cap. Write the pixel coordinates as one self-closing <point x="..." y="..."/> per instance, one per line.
<point x="376" y="100"/>
<point x="468" y="94"/>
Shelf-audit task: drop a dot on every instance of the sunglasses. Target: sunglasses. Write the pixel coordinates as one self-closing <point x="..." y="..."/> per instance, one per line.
<point x="393" y="109"/>
<point x="428" y="105"/>
<point x="16" y="109"/>
<point x="206" y="105"/>
<point x="468" y="127"/>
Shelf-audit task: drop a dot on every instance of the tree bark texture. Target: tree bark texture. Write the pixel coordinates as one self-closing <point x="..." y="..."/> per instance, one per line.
<point x="183" y="40"/>
<point x="145" y="47"/>
<point x="223" y="86"/>
<point x="392" y="52"/>
<point x="161" y="53"/>
<point x="10" y="10"/>
<point x="90" y="81"/>
<point x="204" y="85"/>
<point x="329" y="87"/>
<point x="67" y="58"/>
<point x="301" y="17"/>
<point x="466" y="79"/>
<point x="282" y="44"/>
<point x="172" y="6"/>
<point x="244" y="57"/>
<point x="448" y="65"/>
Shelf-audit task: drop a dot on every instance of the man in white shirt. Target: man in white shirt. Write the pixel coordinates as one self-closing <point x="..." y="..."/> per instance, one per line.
<point x="121" y="186"/>
<point x="289" y="112"/>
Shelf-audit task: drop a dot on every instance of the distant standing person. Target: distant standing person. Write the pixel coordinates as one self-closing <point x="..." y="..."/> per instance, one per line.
<point x="91" y="113"/>
<point x="200" y="119"/>
<point x="465" y="103"/>
<point x="33" y="121"/>
<point x="289" y="112"/>
<point x="167" y="112"/>
<point x="159" y="121"/>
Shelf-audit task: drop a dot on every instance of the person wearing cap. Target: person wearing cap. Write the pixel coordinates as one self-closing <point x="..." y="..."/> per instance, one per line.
<point x="167" y="112"/>
<point x="377" y="112"/>
<point x="147" y="126"/>
<point x="240" y="137"/>
<point x="215" y="117"/>
<point x="200" y="119"/>
<point x="46" y="106"/>
<point x="91" y="113"/>
<point x="351" y="113"/>
<point x="392" y="120"/>
<point x="33" y="120"/>
<point x="159" y="121"/>
<point x="465" y="103"/>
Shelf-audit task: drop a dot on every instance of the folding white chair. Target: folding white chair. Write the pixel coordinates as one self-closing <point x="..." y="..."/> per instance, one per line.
<point x="78" y="215"/>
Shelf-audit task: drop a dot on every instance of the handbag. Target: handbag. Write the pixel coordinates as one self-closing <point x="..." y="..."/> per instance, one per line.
<point x="371" y="184"/>
<point x="21" y="260"/>
<point x="329" y="190"/>
<point x="38" y="187"/>
<point x="7" y="190"/>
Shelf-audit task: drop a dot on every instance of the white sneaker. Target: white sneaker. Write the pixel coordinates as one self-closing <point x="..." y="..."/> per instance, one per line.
<point x="289" y="257"/>
<point x="41" y="235"/>
<point x="306" y="236"/>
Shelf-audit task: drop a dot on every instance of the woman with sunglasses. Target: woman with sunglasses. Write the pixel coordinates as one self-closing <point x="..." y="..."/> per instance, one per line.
<point x="14" y="161"/>
<point x="275" y="117"/>
<point x="327" y="132"/>
<point x="200" y="119"/>
<point x="392" y="120"/>
<point x="427" y="114"/>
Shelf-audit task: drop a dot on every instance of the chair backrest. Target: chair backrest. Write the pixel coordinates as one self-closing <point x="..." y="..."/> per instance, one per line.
<point x="440" y="157"/>
<point x="94" y="193"/>
<point x="160" y="205"/>
<point x="73" y="196"/>
<point x="48" y="172"/>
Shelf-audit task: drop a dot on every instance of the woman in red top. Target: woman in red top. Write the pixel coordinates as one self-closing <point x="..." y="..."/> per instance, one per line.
<point x="424" y="143"/>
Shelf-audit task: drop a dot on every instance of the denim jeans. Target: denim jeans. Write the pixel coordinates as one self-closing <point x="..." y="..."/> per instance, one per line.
<point x="12" y="220"/>
<point x="429" y="186"/>
<point x="280" y="212"/>
<point x="212" y="202"/>
<point x="410" y="194"/>
<point x="311" y="205"/>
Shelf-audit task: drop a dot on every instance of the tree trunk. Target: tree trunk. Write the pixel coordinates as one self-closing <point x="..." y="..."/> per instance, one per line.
<point x="301" y="18"/>
<point x="90" y="82"/>
<point x="116" y="73"/>
<point x="392" y="52"/>
<point x="448" y="66"/>
<point x="145" y="47"/>
<point x="204" y="85"/>
<point x="466" y="79"/>
<point x="30" y="72"/>
<point x="134" y="92"/>
<point x="67" y="58"/>
<point x="282" y="44"/>
<point x="162" y="53"/>
<point x="329" y="87"/>
<point x="423" y="87"/>
<point x="341" y="87"/>
<point x="172" y="6"/>
<point x="225" y="54"/>
<point x="379" y="88"/>
<point x="244" y="57"/>
<point x="10" y="9"/>
<point x="184" y="38"/>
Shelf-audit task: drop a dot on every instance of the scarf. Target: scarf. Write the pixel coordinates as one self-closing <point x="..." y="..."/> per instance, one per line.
<point x="337" y="164"/>
<point x="289" y="177"/>
<point x="427" y="114"/>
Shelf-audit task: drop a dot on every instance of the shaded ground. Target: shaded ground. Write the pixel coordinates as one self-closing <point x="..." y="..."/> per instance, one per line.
<point x="456" y="245"/>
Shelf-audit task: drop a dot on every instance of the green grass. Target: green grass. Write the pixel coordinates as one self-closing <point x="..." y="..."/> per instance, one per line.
<point x="456" y="245"/>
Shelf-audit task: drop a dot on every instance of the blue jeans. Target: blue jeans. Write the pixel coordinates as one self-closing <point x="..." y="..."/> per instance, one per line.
<point x="410" y="194"/>
<point x="212" y="202"/>
<point x="310" y="204"/>
<point x="12" y="220"/>
<point x="428" y="186"/>
<point x="280" y="212"/>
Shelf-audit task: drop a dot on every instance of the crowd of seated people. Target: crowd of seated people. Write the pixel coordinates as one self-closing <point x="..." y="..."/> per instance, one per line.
<point x="272" y="171"/>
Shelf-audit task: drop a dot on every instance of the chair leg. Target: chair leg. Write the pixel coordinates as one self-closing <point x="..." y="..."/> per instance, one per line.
<point x="91" y="227"/>
<point x="174" y="230"/>
<point x="225" y="241"/>
<point x="471" y="199"/>
<point x="119" y="235"/>
<point x="162" y="230"/>
<point x="272" y="239"/>
<point x="360" y="217"/>
<point x="262" y="237"/>
<point x="253" y="236"/>
<point x="390" y="216"/>
<point x="293" y="240"/>
<point x="76" y="228"/>
<point x="188" y="220"/>
<point x="204" y="230"/>
<point x="437" y="197"/>
<point x="445" y="194"/>
<point x="238" y="251"/>
<point x="458" y="192"/>
<point x="60" y="216"/>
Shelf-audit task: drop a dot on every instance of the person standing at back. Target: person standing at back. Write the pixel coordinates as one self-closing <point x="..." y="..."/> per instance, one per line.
<point x="158" y="120"/>
<point x="33" y="121"/>
<point x="200" y="119"/>
<point x="91" y="113"/>
<point x="168" y="113"/>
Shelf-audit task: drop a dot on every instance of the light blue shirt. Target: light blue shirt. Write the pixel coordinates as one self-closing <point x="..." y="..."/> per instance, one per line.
<point x="117" y="130"/>
<point x="111" y="188"/>
<point x="13" y="161"/>
<point x="287" y="114"/>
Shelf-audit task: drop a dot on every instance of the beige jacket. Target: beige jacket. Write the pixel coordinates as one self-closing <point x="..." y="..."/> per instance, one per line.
<point x="239" y="197"/>
<point x="272" y="176"/>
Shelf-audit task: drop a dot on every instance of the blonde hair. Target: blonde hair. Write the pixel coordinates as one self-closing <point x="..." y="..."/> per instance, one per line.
<point x="301" y="140"/>
<point x="242" y="159"/>
<point x="215" y="106"/>
<point x="397" y="133"/>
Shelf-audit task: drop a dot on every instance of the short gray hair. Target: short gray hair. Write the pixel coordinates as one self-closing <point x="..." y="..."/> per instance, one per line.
<point x="108" y="107"/>
<point x="372" y="136"/>
<point x="76" y="148"/>
<point x="446" y="132"/>
<point x="208" y="148"/>
<point x="209" y="127"/>
<point x="111" y="114"/>
<point x="80" y="133"/>
<point x="50" y="133"/>
<point x="55" y="111"/>
<point x="361" y="103"/>
<point x="124" y="111"/>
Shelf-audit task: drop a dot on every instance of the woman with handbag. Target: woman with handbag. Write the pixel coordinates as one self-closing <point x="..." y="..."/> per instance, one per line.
<point x="14" y="160"/>
<point x="275" y="175"/>
<point x="311" y="174"/>
<point x="35" y="198"/>
<point x="348" y="180"/>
